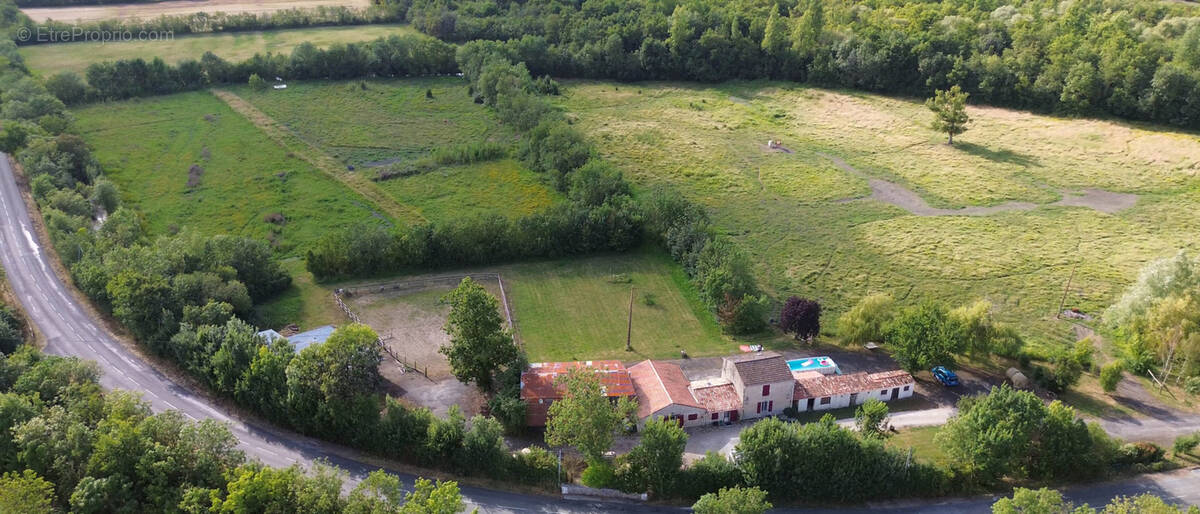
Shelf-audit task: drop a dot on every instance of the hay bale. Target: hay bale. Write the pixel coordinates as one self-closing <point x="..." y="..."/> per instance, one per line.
<point x="1018" y="379"/>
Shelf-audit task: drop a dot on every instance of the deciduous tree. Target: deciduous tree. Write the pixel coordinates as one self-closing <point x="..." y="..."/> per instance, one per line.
<point x="949" y="111"/>
<point x="479" y="345"/>
<point x="801" y="316"/>
<point x="585" y="418"/>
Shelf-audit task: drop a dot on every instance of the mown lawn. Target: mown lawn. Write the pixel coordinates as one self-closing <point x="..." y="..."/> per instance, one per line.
<point x="577" y="309"/>
<point x="812" y="231"/>
<point x="149" y="147"/>
<point x="49" y="59"/>
<point x="920" y="439"/>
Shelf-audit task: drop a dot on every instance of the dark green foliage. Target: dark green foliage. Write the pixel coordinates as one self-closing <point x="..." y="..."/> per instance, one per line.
<point x="11" y="328"/>
<point x="1128" y="59"/>
<point x="394" y="56"/>
<point x="1010" y="433"/>
<point x="924" y="336"/>
<point x="823" y="460"/>
<point x="479" y="346"/>
<point x="711" y="473"/>
<point x="654" y="464"/>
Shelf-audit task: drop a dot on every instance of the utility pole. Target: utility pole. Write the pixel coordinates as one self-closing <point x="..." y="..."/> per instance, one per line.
<point x="629" y="330"/>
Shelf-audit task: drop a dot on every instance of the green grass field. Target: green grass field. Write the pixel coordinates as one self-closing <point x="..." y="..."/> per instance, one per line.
<point x="577" y="309"/>
<point x="390" y="121"/>
<point x="811" y="230"/>
<point x="920" y="439"/>
<point x="503" y="187"/>
<point x="149" y="147"/>
<point x="50" y="59"/>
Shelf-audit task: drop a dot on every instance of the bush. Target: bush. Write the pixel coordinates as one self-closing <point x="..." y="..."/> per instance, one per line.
<point x="599" y="474"/>
<point x="535" y="465"/>
<point x="1192" y="386"/>
<point x="1186" y="443"/>
<point x="1141" y="452"/>
<point x="257" y="83"/>
<point x="1110" y="375"/>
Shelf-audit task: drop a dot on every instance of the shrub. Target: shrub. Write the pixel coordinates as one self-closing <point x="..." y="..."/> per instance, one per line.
<point x="1192" y="386"/>
<point x="257" y="83"/>
<point x="1110" y="375"/>
<point x="1141" y="452"/>
<point x="1186" y="443"/>
<point x="599" y="474"/>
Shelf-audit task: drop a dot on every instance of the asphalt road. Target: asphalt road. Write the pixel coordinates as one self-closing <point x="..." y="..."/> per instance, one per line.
<point x="69" y="330"/>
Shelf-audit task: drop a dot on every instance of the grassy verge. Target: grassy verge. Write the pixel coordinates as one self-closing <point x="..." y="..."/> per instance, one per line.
<point x="49" y="59"/>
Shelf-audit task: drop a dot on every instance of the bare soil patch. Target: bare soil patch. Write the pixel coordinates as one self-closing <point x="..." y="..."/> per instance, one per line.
<point x="410" y="317"/>
<point x="176" y="7"/>
<point x="892" y="193"/>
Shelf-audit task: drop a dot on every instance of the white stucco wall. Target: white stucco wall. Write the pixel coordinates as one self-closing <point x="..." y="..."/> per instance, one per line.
<point x="702" y="416"/>
<point x="780" y="393"/>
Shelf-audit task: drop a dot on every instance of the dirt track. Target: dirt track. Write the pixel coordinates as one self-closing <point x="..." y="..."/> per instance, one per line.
<point x="904" y="198"/>
<point x="175" y="7"/>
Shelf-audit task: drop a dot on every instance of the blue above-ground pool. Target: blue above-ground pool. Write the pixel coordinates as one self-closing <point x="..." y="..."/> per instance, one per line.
<point x="823" y="365"/>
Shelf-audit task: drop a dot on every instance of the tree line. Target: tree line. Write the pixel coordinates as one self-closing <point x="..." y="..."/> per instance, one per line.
<point x="380" y="11"/>
<point x="602" y="212"/>
<point x="1137" y="60"/>
<point x="66" y="446"/>
<point x="393" y="56"/>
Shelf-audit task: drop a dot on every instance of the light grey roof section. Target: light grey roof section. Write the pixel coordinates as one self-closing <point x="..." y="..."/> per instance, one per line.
<point x="315" y="336"/>
<point x="269" y="335"/>
<point x="761" y="368"/>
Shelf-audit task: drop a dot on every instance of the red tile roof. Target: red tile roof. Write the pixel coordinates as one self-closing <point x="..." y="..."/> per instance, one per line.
<point x="540" y="381"/>
<point x="718" y="398"/>
<point x="833" y="385"/>
<point x="659" y="385"/>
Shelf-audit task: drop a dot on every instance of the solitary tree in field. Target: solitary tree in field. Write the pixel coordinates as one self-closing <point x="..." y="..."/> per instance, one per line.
<point x="949" y="111"/>
<point x="479" y="346"/>
<point x="801" y="317"/>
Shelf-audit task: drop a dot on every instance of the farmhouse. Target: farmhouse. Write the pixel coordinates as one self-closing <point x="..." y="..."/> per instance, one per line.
<point x="664" y="392"/>
<point x="751" y="385"/>
<point x="763" y="382"/>
<point x="540" y="385"/>
<point x="814" y="391"/>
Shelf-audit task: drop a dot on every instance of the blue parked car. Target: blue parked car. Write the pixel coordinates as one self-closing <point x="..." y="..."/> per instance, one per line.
<point x="945" y="376"/>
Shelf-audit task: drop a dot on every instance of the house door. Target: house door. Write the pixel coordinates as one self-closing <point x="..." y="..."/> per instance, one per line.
<point x="895" y="392"/>
<point x="810" y="404"/>
<point x="733" y="416"/>
<point x="853" y="399"/>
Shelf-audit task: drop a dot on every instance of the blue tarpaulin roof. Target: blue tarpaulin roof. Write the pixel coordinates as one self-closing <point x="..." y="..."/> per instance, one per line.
<point x="302" y="340"/>
<point x="315" y="336"/>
